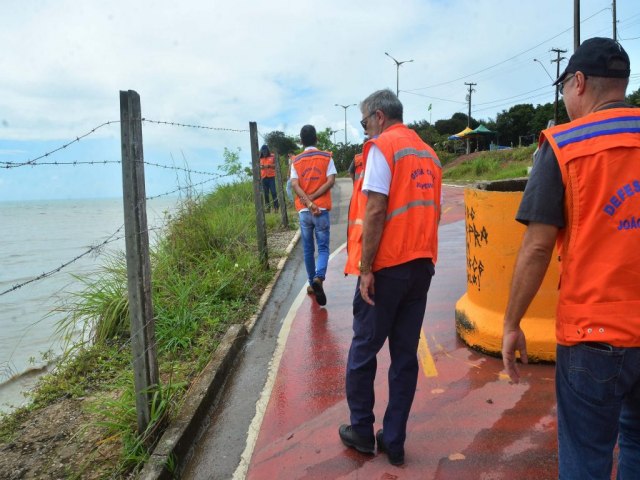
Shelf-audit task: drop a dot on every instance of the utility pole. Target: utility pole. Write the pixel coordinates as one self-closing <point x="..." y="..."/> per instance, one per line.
<point x="345" y="118"/>
<point x="576" y="24"/>
<point x="398" y="63"/>
<point x="471" y="90"/>
<point x="555" y="105"/>
<point x="615" y="33"/>
<point x="557" y="62"/>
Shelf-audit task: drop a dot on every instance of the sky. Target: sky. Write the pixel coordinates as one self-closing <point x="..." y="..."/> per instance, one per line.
<point x="281" y="64"/>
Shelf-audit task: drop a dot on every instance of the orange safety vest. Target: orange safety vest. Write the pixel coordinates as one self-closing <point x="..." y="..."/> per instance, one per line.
<point x="599" y="158"/>
<point x="411" y="227"/>
<point x="267" y="167"/>
<point x="356" y="215"/>
<point x="311" y="167"/>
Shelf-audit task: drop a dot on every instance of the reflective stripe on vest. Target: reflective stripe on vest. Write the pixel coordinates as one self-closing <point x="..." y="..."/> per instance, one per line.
<point x="405" y="152"/>
<point x="611" y="126"/>
<point x="404" y="208"/>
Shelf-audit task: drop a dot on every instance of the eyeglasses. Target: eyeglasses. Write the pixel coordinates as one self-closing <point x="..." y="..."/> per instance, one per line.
<point x="363" y="122"/>
<point x="561" y="85"/>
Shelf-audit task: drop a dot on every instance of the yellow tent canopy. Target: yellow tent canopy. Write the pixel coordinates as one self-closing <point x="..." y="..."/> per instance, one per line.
<point x="461" y="134"/>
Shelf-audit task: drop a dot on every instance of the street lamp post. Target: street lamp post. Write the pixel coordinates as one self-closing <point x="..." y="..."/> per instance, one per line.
<point x="345" y="118"/>
<point x="333" y="132"/>
<point x="398" y="63"/>
<point x="555" y="104"/>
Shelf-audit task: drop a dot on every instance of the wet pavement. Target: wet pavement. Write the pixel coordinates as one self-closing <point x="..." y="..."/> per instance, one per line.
<point x="467" y="421"/>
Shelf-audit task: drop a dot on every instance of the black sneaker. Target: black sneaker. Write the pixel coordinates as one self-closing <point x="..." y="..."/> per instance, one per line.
<point x="395" y="458"/>
<point x="319" y="291"/>
<point x="353" y="440"/>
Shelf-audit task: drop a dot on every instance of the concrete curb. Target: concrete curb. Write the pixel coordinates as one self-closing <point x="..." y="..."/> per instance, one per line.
<point x="176" y="443"/>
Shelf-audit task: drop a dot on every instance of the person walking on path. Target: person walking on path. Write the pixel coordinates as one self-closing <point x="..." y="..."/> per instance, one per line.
<point x="268" y="176"/>
<point x="312" y="177"/>
<point x="398" y="205"/>
<point x="584" y="194"/>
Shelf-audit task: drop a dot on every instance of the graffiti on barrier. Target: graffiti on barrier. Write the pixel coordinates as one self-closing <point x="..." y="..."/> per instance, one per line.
<point x="477" y="236"/>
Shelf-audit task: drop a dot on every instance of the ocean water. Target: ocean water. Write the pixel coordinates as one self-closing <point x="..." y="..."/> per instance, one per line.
<point x="37" y="237"/>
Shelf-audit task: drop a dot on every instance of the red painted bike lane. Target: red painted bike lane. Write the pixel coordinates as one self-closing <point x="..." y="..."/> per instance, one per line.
<point x="467" y="420"/>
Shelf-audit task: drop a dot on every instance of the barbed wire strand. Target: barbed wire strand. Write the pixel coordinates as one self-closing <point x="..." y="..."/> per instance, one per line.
<point x="185" y="125"/>
<point x="62" y="147"/>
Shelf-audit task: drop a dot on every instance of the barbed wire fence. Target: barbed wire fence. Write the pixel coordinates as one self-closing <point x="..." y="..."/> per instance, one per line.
<point x="142" y="341"/>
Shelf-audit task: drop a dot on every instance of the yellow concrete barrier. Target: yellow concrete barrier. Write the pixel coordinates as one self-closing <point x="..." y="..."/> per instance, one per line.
<point x="493" y="239"/>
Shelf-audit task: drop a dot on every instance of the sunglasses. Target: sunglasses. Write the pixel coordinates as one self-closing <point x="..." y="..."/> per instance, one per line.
<point x="363" y="122"/>
<point x="561" y="86"/>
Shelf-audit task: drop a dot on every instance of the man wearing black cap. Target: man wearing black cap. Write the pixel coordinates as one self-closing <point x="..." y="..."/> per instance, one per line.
<point x="584" y="193"/>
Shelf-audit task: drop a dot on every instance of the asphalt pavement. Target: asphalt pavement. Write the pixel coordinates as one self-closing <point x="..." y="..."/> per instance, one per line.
<point x="280" y="412"/>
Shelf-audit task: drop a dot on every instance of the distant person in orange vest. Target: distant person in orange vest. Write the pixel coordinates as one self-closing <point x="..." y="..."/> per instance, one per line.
<point x="268" y="176"/>
<point x="397" y="205"/>
<point x="355" y="167"/>
<point x="312" y="177"/>
<point x="583" y="194"/>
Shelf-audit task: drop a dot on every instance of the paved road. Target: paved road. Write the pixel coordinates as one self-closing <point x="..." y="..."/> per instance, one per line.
<point x="217" y="454"/>
<point x="467" y="422"/>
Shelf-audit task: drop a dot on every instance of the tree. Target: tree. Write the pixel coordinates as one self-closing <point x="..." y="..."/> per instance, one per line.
<point x="428" y="132"/>
<point x="516" y="123"/>
<point x="232" y="165"/>
<point x="343" y="154"/>
<point x="277" y="141"/>
<point x="634" y="98"/>
<point x="324" y="140"/>
<point x="455" y="124"/>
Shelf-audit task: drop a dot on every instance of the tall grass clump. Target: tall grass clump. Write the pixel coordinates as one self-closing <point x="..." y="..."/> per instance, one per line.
<point x="496" y="165"/>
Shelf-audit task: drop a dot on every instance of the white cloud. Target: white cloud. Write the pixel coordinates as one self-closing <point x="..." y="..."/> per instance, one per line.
<point x="282" y="64"/>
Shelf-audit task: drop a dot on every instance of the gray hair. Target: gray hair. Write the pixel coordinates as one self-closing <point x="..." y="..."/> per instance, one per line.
<point x="384" y="100"/>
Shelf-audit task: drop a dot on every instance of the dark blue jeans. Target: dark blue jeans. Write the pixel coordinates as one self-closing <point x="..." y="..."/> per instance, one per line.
<point x="400" y="302"/>
<point x="598" y="393"/>
<point x="269" y="187"/>
<point x="320" y="226"/>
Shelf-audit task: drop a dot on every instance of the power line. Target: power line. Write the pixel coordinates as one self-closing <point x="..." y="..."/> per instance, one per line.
<point x="508" y="59"/>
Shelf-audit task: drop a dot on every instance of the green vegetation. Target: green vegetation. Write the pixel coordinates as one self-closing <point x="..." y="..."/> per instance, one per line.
<point x="496" y="165"/>
<point x="206" y="277"/>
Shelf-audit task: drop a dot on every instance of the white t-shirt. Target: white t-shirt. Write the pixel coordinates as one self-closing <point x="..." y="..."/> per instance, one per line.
<point x="377" y="175"/>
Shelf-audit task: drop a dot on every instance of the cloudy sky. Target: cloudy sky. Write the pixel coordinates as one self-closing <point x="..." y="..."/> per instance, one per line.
<point x="279" y="63"/>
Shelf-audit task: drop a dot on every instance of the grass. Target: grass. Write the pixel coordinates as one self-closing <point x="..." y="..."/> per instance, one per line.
<point x="497" y="165"/>
<point x="206" y="276"/>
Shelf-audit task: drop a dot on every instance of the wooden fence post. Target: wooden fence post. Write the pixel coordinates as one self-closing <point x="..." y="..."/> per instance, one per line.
<point x="280" y="192"/>
<point x="143" y="343"/>
<point x="261" y="224"/>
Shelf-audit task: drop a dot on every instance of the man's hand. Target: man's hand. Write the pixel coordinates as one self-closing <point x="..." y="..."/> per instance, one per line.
<point x="513" y="341"/>
<point x="367" y="289"/>
<point x="314" y="209"/>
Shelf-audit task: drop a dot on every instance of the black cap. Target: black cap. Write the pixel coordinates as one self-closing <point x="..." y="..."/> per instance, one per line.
<point x="597" y="57"/>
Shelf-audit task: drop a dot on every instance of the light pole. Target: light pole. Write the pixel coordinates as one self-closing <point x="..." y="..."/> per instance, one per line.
<point x="333" y="132"/>
<point x="555" y="104"/>
<point x="398" y="63"/>
<point x="345" y="118"/>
